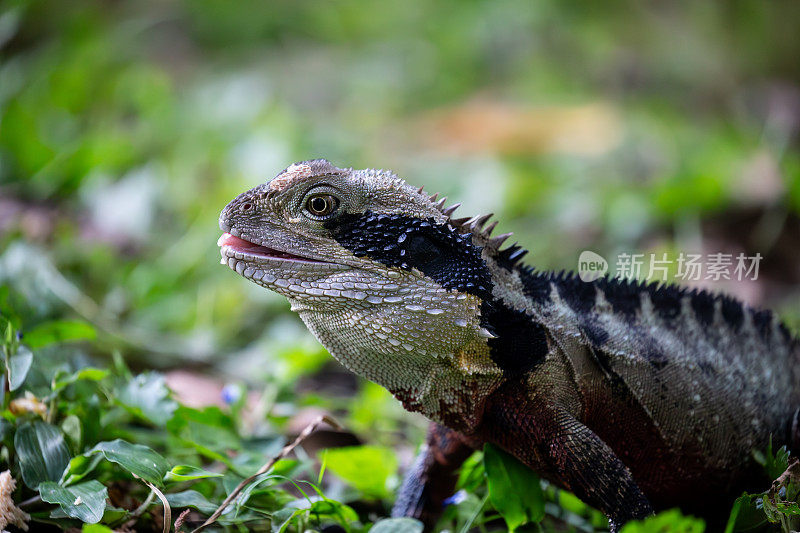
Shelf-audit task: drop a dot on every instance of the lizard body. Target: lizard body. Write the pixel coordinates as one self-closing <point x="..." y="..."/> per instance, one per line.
<point x="635" y="397"/>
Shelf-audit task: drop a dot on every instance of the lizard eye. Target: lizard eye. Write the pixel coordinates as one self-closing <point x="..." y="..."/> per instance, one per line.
<point x="322" y="205"/>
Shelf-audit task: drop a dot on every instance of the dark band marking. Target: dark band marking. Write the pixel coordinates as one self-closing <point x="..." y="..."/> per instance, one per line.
<point x="618" y="385"/>
<point x="520" y="343"/>
<point x="666" y="301"/>
<point x="536" y="285"/>
<point x="733" y="313"/>
<point x="624" y="296"/>
<point x="579" y="296"/>
<point x="595" y="333"/>
<point x="703" y="307"/>
<point x="762" y="320"/>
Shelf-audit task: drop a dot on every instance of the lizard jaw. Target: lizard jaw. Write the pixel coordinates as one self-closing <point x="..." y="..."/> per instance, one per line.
<point x="265" y="265"/>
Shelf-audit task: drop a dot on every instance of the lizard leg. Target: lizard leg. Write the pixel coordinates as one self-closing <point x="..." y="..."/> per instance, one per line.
<point x="591" y="470"/>
<point x="555" y="444"/>
<point x="432" y="477"/>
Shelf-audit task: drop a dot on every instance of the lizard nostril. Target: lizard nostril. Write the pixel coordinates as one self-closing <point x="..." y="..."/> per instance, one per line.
<point x="246" y="207"/>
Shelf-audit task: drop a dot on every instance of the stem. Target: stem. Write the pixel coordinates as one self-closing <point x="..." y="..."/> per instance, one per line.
<point x="30" y="501"/>
<point x="145" y="504"/>
<point x="268" y="465"/>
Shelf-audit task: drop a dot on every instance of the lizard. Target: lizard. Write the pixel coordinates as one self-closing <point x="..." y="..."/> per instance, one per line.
<point x="634" y="396"/>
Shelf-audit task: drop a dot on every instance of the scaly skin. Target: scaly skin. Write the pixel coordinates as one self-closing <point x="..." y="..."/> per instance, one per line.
<point x="634" y="397"/>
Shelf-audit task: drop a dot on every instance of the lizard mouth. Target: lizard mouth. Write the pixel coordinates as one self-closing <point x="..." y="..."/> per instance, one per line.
<point x="270" y="267"/>
<point x="233" y="246"/>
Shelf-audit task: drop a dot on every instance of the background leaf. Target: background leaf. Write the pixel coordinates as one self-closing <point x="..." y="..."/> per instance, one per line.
<point x="84" y="501"/>
<point x="59" y="331"/>
<point x="41" y="451"/>
<point x="148" y="396"/>
<point x="367" y="468"/>
<point x="671" y="521"/>
<point x="775" y="462"/>
<point x="514" y="489"/>
<point x="96" y="528"/>
<point x="87" y="374"/>
<point x="18" y="366"/>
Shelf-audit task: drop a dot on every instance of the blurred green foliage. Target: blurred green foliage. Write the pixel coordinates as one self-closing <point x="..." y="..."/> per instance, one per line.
<point x="126" y="126"/>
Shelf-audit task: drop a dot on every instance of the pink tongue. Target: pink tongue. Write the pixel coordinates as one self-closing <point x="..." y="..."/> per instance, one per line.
<point x="235" y="242"/>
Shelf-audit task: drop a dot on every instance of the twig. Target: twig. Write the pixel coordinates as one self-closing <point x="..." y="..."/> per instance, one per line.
<point x="283" y="453"/>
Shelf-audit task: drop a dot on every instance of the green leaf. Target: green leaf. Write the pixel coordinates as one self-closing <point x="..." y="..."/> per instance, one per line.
<point x="253" y="487"/>
<point x="191" y="498"/>
<point x="96" y="528"/>
<point x="745" y="514"/>
<point x="84" y="501"/>
<point x="9" y="336"/>
<point x="331" y="508"/>
<point x="318" y="508"/>
<point x="18" y="366"/>
<point x="472" y="474"/>
<point x="41" y="451"/>
<point x="788" y="508"/>
<point x="188" y="473"/>
<point x="282" y="519"/>
<point x="148" y="397"/>
<point x="777" y="462"/>
<point x="6" y="429"/>
<point x="79" y="467"/>
<point x="84" y="374"/>
<point x="671" y="521"/>
<point x="71" y="426"/>
<point x="514" y="489"/>
<point x="287" y="467"/>
<point x="137" y="459"/>
<point x="210" y="431"/>
<point x="251" y="454"/>
<point x="367" y="468"/>
<point x="397" y="525"/>
<point x="59" y="331"/>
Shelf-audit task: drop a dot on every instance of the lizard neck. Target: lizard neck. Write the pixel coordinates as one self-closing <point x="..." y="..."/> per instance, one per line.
<point x="444" y="374"/>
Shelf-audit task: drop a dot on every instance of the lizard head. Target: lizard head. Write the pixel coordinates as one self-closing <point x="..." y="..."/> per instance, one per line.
<point x="299" y="225"/>
<point x="373" y="265"/>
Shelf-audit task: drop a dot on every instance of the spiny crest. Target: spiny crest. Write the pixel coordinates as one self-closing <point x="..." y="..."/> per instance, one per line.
<point x="477" y="226"/>
<point x="381" y="173"/>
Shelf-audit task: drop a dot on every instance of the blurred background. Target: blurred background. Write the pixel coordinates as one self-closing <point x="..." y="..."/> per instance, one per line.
<point x="126" y="126"/>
